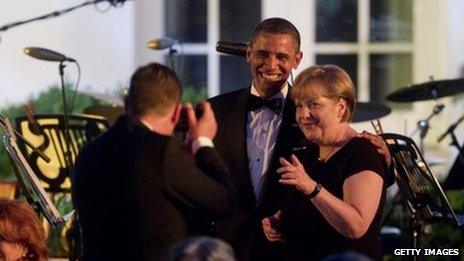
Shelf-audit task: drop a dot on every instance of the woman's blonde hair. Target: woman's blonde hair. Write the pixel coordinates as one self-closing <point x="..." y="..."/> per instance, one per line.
<point x="337" y="82"/>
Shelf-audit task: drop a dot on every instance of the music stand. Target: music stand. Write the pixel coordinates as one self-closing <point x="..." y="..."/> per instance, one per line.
<point x="423" y="194"/>
<point x="35" y="194"/>
<point x="52" y="140"/>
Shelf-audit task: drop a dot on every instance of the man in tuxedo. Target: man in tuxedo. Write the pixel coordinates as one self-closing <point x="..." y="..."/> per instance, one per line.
<point x="135" y="188"/>
<point x="256" y="127"/>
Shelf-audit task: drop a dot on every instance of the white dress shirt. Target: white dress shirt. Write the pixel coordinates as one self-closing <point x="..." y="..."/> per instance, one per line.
<point x="262" y="129"/>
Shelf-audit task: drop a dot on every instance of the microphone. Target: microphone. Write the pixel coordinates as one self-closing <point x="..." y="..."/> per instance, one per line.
<point x="233" y="48"/>
<point x="161" y="43"/>
<point x="46" y="54"/>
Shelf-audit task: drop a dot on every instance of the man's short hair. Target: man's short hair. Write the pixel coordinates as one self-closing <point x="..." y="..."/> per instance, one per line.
<point x="277" y="25"/>
<point x="201" y="248"/>
<point x="153" y="88"/>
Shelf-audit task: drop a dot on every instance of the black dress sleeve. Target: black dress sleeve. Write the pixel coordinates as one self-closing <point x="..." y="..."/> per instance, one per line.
<point x="364" y="156"/>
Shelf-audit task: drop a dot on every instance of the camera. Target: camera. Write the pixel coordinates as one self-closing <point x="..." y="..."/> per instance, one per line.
<point x="182" y="125"/>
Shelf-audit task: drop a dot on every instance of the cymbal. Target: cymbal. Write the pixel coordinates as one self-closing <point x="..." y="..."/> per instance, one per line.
<point x="366" y="111"/>
<point x="427" y="91"/>
<point x="114" y="100"/>
<point x="111" y="113"/>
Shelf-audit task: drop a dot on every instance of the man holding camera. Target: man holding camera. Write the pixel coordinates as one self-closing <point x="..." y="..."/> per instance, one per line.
<point x="135" y="188"/>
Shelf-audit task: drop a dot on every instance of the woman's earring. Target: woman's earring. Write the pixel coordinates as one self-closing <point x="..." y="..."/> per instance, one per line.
<point x="25" y="251"/>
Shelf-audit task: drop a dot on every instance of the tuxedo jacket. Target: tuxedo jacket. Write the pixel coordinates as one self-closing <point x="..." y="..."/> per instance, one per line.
<point x="243" y="230"/>
<point x="136" y="192"/>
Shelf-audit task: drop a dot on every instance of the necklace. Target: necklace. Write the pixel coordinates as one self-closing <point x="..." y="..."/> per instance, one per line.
<point x="338" y="143"/>
<point x="326" y="157"/>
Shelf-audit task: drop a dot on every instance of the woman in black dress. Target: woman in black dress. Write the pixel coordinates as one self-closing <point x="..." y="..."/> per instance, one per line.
<point x="338" y="189"/>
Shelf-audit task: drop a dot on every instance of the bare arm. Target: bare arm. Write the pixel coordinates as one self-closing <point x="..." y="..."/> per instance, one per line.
<point x="351" y="216"/>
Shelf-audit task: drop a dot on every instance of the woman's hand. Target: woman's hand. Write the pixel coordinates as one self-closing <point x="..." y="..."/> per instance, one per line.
<point x="270" y="225"/>
<point x="294" y="174"/>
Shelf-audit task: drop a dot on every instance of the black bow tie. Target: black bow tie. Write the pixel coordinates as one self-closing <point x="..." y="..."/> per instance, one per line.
<point x="255" y="103"/>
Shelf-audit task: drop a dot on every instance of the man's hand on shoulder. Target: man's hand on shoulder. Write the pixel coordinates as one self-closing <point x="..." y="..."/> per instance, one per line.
<point x="380" y="144"/>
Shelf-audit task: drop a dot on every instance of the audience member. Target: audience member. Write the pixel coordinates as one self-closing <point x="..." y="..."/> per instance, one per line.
<point x="202" y="249"/>
<point x="22" y="236"/>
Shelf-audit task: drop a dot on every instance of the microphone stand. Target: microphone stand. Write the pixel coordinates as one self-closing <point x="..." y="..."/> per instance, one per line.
<point x="171" y="54"/>
<point x="54" y="14"/>
<point x="423" y="125"/>
<point x="454" y="140"/>
<point x="67" y="138"/>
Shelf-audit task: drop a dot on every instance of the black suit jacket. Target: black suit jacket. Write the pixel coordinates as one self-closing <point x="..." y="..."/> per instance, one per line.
<point x="136" y="192"/>
<point x="244" y="229"/>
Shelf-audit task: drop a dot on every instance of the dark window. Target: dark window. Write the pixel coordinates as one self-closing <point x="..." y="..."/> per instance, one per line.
<point x="337" y="21"/>
<point x="235" y="73"/>
<point x="388" y="73"/>
<point x="186" y="20"/>
<point x="191" y="69"/>
<point x="391" y="21"/>
<point x="238" y="18"/>
<point x="347" y="62"/>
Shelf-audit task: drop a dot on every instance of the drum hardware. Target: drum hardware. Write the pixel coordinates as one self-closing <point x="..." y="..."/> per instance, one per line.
<point x="377" y="126"/>
<point x="454" y="140"/>
<point x="111" y="113"/>
<point x="431" y="90"/>
<point x="366" y="111"/>
<point x="423" y="125"/>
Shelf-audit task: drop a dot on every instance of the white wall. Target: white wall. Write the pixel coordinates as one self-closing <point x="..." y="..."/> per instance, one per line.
<point x="454" y="62"/>
<point x="103" y="43"/>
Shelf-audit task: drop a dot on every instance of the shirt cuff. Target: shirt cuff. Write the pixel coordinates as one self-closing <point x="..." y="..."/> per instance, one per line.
<point x="201" y="142"/>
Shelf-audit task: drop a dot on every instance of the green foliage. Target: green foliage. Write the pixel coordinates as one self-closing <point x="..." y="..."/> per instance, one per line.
<point x="447" y="235"/>
<point x="6" y="170"/>
<point x="51" y="101"/>
<point x="194" y="95"/>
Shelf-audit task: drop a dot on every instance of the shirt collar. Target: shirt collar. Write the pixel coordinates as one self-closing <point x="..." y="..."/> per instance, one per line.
<point x="280" y="95"/>
<point x="148" y="125"/>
